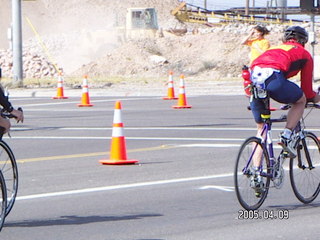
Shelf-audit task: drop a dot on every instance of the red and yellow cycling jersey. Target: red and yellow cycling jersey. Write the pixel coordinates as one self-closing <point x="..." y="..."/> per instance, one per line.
<point x="290" y="58"/>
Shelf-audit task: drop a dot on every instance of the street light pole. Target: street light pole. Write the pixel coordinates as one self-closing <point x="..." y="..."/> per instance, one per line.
<point x="17" y="43"/>
<point x="247" y="8"/>
<point x="312" y="36"/>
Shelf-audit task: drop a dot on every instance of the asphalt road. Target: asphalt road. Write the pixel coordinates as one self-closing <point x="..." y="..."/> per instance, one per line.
<point x="180" y="189"/>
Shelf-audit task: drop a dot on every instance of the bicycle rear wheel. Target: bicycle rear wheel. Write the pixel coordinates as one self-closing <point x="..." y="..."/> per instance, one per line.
<point x="3" y="200"/>
<point x="8" y="166"/>
<point x="242" y="175"/>
<point x="305" y="169"/>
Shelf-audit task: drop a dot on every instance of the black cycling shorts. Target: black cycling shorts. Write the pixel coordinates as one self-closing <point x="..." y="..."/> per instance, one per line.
<point x="279" y="89"/>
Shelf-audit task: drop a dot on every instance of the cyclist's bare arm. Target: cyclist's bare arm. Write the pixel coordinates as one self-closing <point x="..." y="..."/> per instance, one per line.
<point x="18" y="115"/>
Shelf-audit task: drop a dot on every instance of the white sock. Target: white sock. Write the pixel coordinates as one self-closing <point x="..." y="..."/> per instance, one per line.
<point x="287" y="133"/>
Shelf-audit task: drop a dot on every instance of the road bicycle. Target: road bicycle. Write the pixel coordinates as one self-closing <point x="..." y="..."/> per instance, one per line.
<point x="8" y="167"/>
<point x="8" y="175"/>
<point x="304" y="169"/>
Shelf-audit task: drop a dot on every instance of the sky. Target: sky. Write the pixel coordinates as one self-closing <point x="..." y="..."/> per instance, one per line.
<point x="225" y="4"/>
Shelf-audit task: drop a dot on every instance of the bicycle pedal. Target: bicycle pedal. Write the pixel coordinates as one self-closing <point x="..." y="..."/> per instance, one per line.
<point x="258" y="194"/>
<point x="286" y="152"/>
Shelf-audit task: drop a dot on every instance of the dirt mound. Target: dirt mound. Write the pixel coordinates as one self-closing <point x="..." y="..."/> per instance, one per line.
<point x="210" y="53"/>
<point x="81" y="37"/>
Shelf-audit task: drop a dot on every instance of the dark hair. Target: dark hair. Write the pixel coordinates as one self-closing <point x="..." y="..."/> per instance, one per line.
<point x="262" y="30"/>
<point x="297" y="33"/>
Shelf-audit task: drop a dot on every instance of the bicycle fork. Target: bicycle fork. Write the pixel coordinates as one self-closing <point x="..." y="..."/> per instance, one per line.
<point x="307" y="154"/>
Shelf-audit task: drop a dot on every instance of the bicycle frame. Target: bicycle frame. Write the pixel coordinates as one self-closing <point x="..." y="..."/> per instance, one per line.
<point x="266" y="141"/>
<point x="267" y="144"/>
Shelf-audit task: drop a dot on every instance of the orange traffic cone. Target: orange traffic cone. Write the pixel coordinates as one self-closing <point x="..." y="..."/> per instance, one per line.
<point x="170" y="94"/>
<point x="60" y="88"/>
<point x="182" y="101"/>
<point x="85" y="100"/>
<point x="118" y="154"/>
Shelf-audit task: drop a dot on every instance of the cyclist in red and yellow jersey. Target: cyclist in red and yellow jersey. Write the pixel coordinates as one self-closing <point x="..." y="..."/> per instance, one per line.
<point x="271" y="71"/>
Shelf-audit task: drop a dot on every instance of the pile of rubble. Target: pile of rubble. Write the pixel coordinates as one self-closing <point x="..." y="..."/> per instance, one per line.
<point x="34" y="65"/>
<point x="207" y="53"/>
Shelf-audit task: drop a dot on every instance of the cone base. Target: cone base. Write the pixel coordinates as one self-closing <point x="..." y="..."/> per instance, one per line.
<point x="184" y="106"/>
<point x="85" y="105"/>
<point x="169" y="98"/>
<point x="62" y="97"/>
<point x="117" y="162"/>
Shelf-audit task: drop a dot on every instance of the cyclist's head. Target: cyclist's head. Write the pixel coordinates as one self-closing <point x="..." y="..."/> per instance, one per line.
<point x="297" y="33"/>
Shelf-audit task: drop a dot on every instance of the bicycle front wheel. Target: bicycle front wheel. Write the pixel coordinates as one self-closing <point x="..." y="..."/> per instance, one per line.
<point x="305" y="169"/>
<point x="250" y="151"/>
<point x="3" y="200"/>
<point x="8" y="166"/>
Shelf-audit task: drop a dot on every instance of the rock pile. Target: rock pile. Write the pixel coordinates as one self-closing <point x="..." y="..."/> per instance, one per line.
<point x="204" y="52"/>
<point x="34" y="65"/>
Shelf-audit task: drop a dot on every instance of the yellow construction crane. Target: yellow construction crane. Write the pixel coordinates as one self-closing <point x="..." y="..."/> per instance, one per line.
<point x="189" y="13"/>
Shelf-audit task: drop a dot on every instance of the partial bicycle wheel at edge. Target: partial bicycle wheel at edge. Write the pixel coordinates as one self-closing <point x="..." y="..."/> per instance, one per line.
<point x="3" y="200"/>
<point x="242" y="175"/>
<point x="305" y="179"/>
<point x="9" y="170"/>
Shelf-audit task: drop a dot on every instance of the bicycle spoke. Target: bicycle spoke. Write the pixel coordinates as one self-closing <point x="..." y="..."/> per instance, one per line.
<point x="251" y="197"/>
<point x="3" y="200"/>
<point x="305" y="180"/>
<point x="9" y="170"/>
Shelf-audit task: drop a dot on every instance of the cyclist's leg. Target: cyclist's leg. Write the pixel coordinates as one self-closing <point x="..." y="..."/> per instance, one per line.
<point x="295" y="112"/>
<point x="257" y="107"/>
<point x="285" y="91"/>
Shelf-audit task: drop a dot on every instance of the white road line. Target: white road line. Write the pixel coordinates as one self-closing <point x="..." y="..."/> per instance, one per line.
<point x="150" y="128"/>
<point x="221" y="145"/>
<point x="131" y="138"/>
<point x="156" y="128"/>
<point x="123" y="186"/>
<point x="75" y="102"/>
<point x="222" y="188"/>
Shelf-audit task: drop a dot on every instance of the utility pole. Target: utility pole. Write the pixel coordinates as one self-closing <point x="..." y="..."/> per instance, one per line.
<point x="247" y="7"/>
<point x="312" y="37"/>
<point x="283" y="5"/>
<point x="17" y="43"/>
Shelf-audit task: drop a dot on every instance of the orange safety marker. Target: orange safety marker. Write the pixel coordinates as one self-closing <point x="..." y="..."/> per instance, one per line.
<point x="170" y="92"/>
<point x="182" y="101"/>
<point x="118" y="153"/>
<point x="85" y="100"/>
<point x="60" y="88"/>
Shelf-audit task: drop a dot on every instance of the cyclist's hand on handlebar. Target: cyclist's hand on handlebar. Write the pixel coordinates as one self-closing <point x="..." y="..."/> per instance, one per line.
<point x="18" y="115"/>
